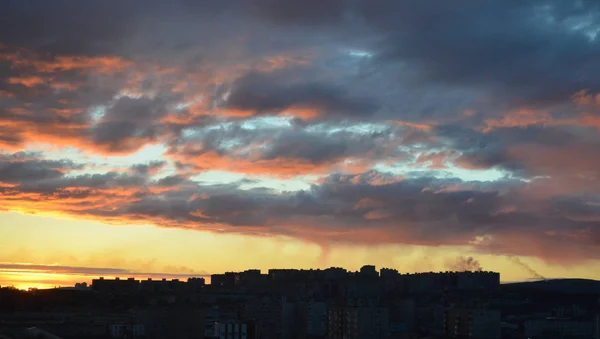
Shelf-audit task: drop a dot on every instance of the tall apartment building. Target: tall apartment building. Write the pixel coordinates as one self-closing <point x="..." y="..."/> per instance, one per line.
<point x="472" y="323"/>
<point x="559" y="328"/>
<point x="237" y="330"/>
<point x="117" y="286"/>
<point x="358" y="322"/>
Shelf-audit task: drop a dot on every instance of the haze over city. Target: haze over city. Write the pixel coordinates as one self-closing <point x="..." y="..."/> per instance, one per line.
<point x="184" y="138"/>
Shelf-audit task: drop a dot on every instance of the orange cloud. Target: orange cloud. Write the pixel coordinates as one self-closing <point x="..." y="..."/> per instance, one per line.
<point x="529" y="117"/>
<point x="519" y="118"/>
<point x="6" y="94"/>
<point x="377" y="215"/>
<point x="556" y="160"/>
<point x="29" y="59"/>
<point x="436" y="160"/>
<point x="305" y="113"/>
<point x="375" y="178"/>
<point x="104" y="65"/>
<point x="65" y="86"/>
<point x="342" y="210"/>
<point x="281" y="62"/>
<point x="584" y="98"/>
<point x="280" y="167"/>
<point x="31" y="81"/>
<point x="66" y="112"/>
<point x="367" y="203"/>
<point x="418" y="126"/>
<point x="63" y="132"/>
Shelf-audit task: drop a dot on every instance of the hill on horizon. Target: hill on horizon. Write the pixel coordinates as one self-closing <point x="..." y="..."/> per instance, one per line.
<point x="566" y="285"/>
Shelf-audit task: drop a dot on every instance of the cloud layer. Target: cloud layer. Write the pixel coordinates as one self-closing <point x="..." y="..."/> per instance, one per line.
<point x="359" y="121"/>
<point x="19" y="268"/>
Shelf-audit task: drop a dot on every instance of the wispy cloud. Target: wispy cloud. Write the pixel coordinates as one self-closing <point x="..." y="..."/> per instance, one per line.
<point x="25" y="268"/>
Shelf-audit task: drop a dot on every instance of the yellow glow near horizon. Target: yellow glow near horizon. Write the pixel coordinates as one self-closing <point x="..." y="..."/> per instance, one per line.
<point x="143" y="248"/>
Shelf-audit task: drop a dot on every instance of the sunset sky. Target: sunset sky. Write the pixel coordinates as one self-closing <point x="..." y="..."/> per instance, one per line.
<point x="151" y="138"/>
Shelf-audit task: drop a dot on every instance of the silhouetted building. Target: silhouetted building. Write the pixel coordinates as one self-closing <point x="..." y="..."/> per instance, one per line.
<point x="116" y="286"/>
<point x="430" y="320"/>
<point x="358" y="322"/>
<point x="402" y="317"/>
<point x="267" y="313"/>
<point x="559" y="328"/>
<point x="387" y="273"/>
<point x="475" y="324"/>
<point x="237" y="330"/>
<point x="223" y="280"/>
<point x="429" y="282"/>
<point x="369" y="271"/>
<point x="195" y="284"/>
<point x="126" y="331"/>
<point x="173" y="322"/>
<point x="296" y="304"/>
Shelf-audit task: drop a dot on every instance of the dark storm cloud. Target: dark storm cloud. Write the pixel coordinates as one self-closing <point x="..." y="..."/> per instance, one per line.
<point x="8" y="138"/>
<point x="64" y="26"/>
<point x="104" y="181"/>
<point x="519" y="152"/>
<point x="306" y="12"/>
<point x="521" y="51"/>
<point x="320" y="148"/>
<point x="75" y="100"/>
<point x="528" y="52"/>
<point x="419" y="210"/>
<point x="27" y="167"/>
<point x="171" y="180"/>
<point x="149" y="168"/>
<point x="294" y="150"/>
<point x="302" y="146"/>
<point x="454" y="214"/>
<point x="92" y="28"/>
<point x="530" y="151"/>
<point x="51" y="100"/>
<point x="425" y="211"/>
<point x="28" y="172"/>
<point x="268" y="93"/>
<point x="129" y="124"/>
<point x="136" y="110"/>
<point x="580" y="208"/>
<point x="416" y="211"/>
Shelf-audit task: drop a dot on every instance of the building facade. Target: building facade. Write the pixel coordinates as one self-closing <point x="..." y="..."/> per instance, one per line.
<point x="358" y="322"/>
<point x="237" y="330"/>
<point x="474" y="324"/>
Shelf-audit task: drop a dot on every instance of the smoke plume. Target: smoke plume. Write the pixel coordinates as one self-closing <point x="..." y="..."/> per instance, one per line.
<point x="465" y="264"/>
<point x="531" y="271"/>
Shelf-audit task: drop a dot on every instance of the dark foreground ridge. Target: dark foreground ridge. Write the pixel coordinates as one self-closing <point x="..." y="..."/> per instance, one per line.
<point x="311" y="304"/>
<point x="575" y="286"/>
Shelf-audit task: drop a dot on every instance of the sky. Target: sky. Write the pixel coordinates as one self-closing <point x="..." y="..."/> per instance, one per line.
<point x="151" y="138"/>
